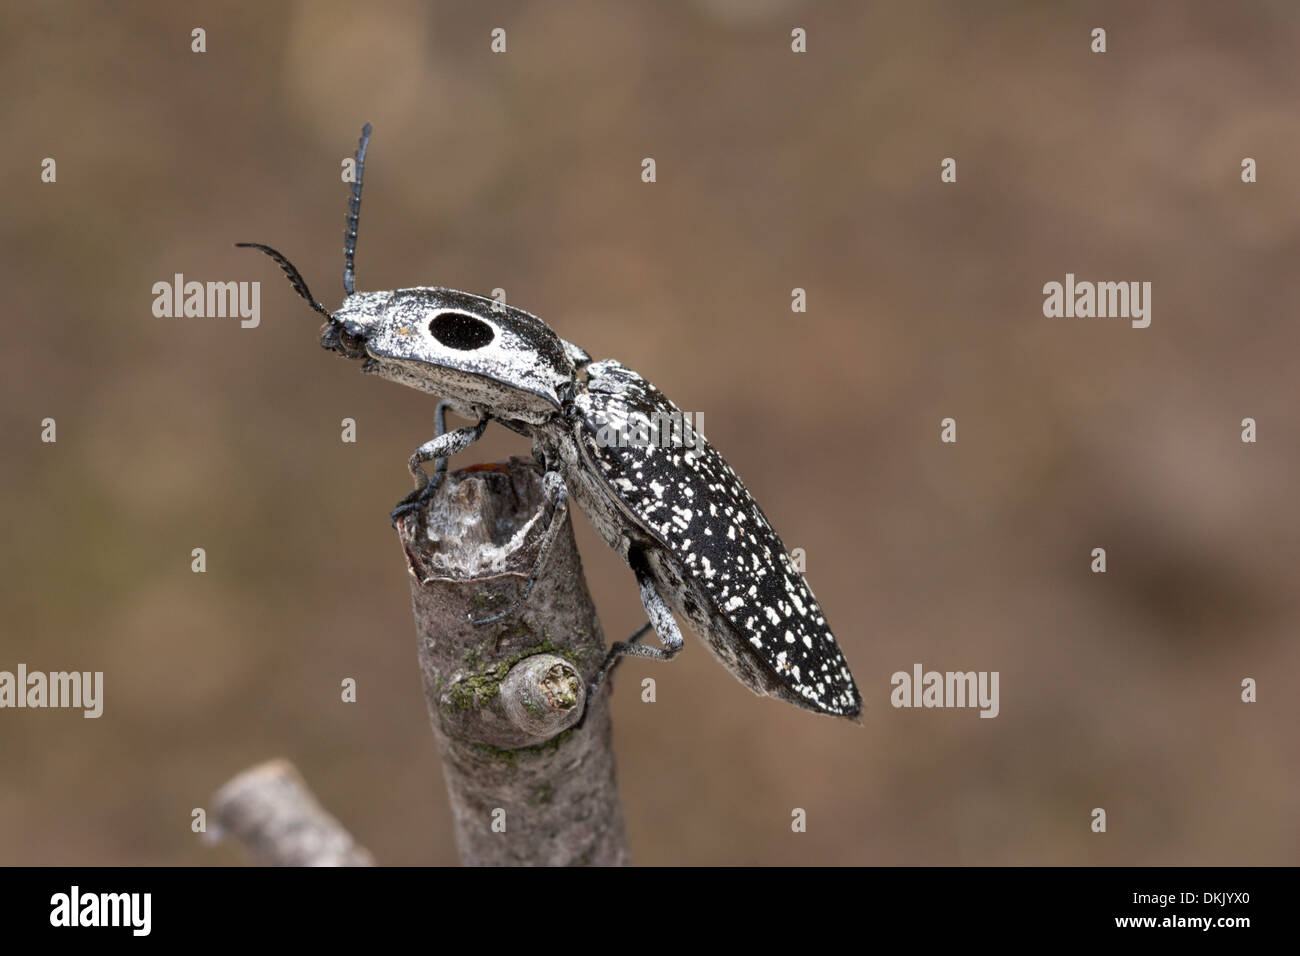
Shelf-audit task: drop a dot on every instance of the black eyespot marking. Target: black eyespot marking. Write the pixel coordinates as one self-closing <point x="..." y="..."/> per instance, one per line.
<point x="462" y="332"/>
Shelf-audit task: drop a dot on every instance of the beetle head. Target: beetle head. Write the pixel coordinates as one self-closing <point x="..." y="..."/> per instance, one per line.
<point x="481" y="355"/>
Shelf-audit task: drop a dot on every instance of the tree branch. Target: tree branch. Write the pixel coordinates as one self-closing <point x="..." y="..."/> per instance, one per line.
<point x="527" y="785"/>
<point x="272" y="812"/>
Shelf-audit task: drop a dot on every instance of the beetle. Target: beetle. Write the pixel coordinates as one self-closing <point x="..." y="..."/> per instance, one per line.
<point x="698" y="543"/>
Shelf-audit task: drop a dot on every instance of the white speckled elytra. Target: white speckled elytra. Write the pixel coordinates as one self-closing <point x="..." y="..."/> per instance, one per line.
<point x="699" y="544"/>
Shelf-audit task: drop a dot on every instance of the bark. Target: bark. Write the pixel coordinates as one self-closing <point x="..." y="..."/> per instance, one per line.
<point x="528" y="761"/>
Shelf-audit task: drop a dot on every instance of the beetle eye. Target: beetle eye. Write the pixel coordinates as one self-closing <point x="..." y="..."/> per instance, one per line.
<point x="352" y="344"/>
<point x="462" y="332"/>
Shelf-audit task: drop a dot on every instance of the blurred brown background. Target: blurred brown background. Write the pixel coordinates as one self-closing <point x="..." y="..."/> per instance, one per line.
<point x="775" y="170"/>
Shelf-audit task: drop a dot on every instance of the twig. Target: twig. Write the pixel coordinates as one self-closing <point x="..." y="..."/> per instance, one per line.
<point x="272" y="812"/>
<point x="527" y="786"/>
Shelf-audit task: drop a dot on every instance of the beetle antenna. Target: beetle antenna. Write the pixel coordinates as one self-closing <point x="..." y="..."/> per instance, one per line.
<point x="295" y="277"/>
<point x="354" y="213"/>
